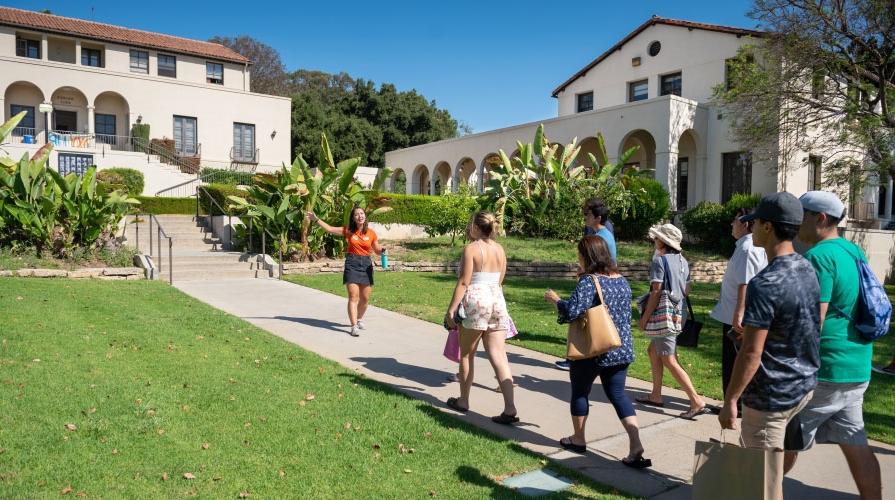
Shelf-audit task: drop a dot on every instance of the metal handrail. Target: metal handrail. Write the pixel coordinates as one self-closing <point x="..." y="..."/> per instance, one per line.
<point x="256" y="157"/>
<point x="160" y="233"/>
<point x="225" y="212"/>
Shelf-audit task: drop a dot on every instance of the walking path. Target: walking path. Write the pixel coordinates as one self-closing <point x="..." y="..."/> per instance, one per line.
<point x="406" y="354"/>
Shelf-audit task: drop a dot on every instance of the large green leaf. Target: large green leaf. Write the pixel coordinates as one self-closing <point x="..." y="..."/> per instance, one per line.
<point x="10" y="124"/>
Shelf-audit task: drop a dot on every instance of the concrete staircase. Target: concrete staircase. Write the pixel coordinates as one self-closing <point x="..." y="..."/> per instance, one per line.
<point x="196" y="253"/>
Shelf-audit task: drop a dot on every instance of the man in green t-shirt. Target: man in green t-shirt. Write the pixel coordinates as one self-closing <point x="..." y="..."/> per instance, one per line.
<point x="835" y="413"/>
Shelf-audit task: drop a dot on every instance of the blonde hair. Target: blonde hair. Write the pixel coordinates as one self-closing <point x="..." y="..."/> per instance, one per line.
<point x="485" y="222"/>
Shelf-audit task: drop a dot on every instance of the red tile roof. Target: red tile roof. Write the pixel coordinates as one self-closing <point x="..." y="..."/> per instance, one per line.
<point x="650" y="22"/>
<point x="116" y="34"/>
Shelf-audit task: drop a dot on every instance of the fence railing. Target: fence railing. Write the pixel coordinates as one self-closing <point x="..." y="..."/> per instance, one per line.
<point x="103" y="143"/>
<point x="188" y="188"/>
<point x="159" y="234"/>
<point x="247" y="157"/>
<point x="25" y="135"/>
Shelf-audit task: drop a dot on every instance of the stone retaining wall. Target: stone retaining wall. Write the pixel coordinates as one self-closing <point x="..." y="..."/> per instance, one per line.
<point x="703" y="272"/>
<point x="103" y="273"/>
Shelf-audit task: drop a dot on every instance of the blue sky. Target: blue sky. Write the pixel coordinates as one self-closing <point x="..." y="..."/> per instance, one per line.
<point x="491" y="64"/>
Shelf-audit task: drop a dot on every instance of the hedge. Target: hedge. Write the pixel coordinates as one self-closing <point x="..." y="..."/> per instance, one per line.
<point x="164" y="205"/>
<point x="445" y="214"/>
<point x="221" y="176"/>
<point x="140" y="135"/>
<point x="709" y="222"/>
<point x="651" y="205"/>
<point x="218" y="192"/>
<point x="132" y="179"/>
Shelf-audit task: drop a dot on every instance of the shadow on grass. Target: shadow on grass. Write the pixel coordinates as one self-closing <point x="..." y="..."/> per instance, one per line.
<point x="312" y="322"/>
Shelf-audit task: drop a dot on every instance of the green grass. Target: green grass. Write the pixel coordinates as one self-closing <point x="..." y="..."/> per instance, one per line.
<point x="426" y="295"/>
<point x="525" y="249"/>
<point x="146" y="376"/>
<point x="26" y="258"/>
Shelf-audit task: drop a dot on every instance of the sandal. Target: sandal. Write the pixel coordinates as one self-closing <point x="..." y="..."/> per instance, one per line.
<point x="453" y="404"/>
<point x="692" y="414"/>
<point x="638" y="463"/>
<point x="569" y="445"/>
<point x="649" y="402"/>
<point x="505" y="419"/>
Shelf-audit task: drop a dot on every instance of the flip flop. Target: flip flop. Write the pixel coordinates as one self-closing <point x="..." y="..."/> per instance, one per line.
<point x="649" y="402"/>
<point x="569" y="445"/>
<point x="505" y="419"/>
<point x="638" y="463"/>
<point x="452" y="404"/>
<point x="692" y="414"/>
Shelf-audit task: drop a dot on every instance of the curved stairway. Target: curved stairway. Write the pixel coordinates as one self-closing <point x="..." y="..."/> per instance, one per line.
<point x="197" y="254"/>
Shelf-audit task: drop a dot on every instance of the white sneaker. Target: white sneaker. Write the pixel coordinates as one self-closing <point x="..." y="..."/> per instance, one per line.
<point x="361" y="325"/>
<point x="355" y="332"/>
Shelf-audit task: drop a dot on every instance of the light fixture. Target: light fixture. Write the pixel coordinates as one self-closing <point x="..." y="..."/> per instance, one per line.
<point x="273" y="134"/>
<point x="139" y="118"/>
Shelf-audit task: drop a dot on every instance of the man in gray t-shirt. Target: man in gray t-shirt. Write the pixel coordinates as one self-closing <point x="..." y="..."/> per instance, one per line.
<point x="776" y="367"/>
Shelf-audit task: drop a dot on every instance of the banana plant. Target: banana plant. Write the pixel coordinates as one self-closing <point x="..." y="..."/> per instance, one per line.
<point x="7" y="163"/>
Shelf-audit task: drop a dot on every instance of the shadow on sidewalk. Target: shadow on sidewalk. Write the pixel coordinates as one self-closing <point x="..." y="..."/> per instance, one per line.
<point x="312" y="322"/>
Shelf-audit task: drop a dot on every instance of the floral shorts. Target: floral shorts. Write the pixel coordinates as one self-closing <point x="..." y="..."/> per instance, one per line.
<point x="486" y="308"/>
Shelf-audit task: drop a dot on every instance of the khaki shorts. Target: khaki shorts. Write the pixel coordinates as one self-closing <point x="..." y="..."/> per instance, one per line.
<point x="767" y="429"/>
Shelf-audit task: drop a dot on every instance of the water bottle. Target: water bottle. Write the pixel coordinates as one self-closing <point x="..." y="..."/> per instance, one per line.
<point x="383" y="260"/>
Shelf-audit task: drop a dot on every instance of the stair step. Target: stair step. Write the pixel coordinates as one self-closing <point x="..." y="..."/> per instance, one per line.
<point x="196" y="275"/>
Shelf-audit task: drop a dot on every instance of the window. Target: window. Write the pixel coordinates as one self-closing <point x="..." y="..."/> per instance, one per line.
<point x="736" y="174"/>
<point x="671" y="84"/>
<point x="585" y="102"/>
<point x="26" y="126"/>
<point x="185" y="135"/>
<point x="638" y="91"/>
<point x="28" y="48"/>
<point x="72" y="163"/>
<point x="140" y="61"/>
<point x="244" y="142"/>
<point x="654" y="48"/>
<point x="104" y="126"/>
<point x="683" y="180"/>
<point x="92" y="57"/>
<point x="167" y="65"/>
<point x="814" y="175"/>
<point x="214" y="73"/>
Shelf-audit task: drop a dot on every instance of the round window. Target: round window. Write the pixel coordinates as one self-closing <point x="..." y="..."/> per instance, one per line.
<point x="654" y="48"/>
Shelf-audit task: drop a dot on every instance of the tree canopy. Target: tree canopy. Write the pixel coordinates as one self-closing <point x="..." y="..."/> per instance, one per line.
<point x="821" y="81"/>
<point x="364" y="120"/>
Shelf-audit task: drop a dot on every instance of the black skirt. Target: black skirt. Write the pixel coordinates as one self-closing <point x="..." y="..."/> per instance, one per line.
<point x="358" y="270"/>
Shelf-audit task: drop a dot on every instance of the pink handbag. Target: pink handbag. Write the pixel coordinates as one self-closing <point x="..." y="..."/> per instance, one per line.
<point x="511" y="329"/>
<point x="452" y="345"/>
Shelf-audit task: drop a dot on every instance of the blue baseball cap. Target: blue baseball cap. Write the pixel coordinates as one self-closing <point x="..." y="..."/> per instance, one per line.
<point x="823" y="202"/>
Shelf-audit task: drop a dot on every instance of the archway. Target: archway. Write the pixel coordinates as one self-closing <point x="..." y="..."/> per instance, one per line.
<point x="466" y="173"/>
<point x="687" y="173"/>
<point x="398" y="183"/>
<point x="443" y="182"/>
<point x="489" y="163"/>
<point x="69" y="111"/>
<point x="111" y="119"/>
<point x="420" y="182"/>
<point x="24" y="96"/>
<point x="644" y="159"/>
<point x="589" y="145"/>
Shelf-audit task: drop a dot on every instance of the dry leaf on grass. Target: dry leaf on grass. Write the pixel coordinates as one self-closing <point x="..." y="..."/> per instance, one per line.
<point x="164" y="476"/>
<point x="71" y="427"/>
<point x="188" y="475"/>
<point x="205" y="446"/>
<point x="66" y="490"/>
<point x="407" y="471"/>
<point x="310" y="397"/>
<point x="244" y="494"/>
<point x="282" y="473"/>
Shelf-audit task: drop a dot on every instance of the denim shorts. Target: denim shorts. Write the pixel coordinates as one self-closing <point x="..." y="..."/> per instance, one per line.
<point x="835" y="414"/>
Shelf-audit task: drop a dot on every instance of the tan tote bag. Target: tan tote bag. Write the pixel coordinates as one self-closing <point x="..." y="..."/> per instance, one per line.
<point x="728" y="471"/>
<point x="594" y="333"/>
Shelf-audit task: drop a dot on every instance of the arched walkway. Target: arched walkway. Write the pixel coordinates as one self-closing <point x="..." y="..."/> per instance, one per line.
<point x="398" y="182"/>
<point x="589" y="145"/>
<point x="69" y="111"/>
<point x="644" y="159"/>
<point x="490" y="162"/>
<point x="420" y="183"/>
<point x="442" y="176"/>
<point x="111" y="118"/>
<point x="466" y="173"/>
<point x="24" y="96"/>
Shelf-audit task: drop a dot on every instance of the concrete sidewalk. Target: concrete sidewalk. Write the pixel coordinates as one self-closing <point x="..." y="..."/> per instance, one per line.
<point x="406" y="354"/>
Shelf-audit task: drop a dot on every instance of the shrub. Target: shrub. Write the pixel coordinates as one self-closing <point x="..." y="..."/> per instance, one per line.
<point x="221" y="176"/>
<point x="140" y="136"/>
<point x="163" y="205"/>
<point x="649" y="205"/>
<point x="407" y="209"/>
<point x="131" y="178"/>
<point x="709" y="222"/>
<point x="218" y="192"/>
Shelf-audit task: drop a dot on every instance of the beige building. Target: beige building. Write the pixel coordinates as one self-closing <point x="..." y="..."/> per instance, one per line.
<point x="85" y="84"/>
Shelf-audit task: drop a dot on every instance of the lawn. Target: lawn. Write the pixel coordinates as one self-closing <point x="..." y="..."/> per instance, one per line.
<point x="525" y="249"/>
<point x="426" y="295"/>
<point x="133" y="389"/>
<point x="26" y="258"/>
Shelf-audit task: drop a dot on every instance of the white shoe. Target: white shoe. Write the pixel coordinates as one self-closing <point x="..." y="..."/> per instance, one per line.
<point x="355" y="332"/>
<point x="361" y="325"/>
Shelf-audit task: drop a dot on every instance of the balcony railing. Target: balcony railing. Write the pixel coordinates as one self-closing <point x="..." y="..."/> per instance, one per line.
<point x="241" y="155"/>
<point x="25" y="135"/>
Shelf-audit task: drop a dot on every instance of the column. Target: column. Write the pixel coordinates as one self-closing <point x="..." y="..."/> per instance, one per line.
<point x="889" y="193"/>
<point x="91" y="119"/>
<point x="432" y="180"/>
<point x="44" y="47"/>
<point x="666" y="174"/>
<point x="77" y="52"/>
<point x="480" y="180"/>
<point x="704" y="178"/>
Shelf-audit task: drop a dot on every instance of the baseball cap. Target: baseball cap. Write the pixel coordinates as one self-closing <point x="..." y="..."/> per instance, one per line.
<point x="823" y="202"/>
<point x="782" y="207"/>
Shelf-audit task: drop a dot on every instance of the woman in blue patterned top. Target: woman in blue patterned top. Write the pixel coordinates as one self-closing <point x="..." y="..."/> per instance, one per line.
<point x="612" y="367"/>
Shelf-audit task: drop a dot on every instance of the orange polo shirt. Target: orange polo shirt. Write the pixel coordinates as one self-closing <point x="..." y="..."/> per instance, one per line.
<point x="359" y="243"/>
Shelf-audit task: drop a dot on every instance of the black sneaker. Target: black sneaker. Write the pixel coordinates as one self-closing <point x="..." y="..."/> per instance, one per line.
<point x="563" y="365"/>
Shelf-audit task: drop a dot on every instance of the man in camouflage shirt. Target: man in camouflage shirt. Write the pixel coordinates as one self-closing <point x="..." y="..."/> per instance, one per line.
<point x="776" y="367"/>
